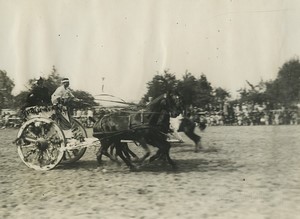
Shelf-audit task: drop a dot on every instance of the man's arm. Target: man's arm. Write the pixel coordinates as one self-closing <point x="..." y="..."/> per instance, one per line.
<point x="69" y="93"/>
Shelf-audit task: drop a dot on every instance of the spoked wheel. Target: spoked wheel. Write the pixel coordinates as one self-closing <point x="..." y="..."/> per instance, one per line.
<point x="78" y="133"/>
<point x="40" y="144"/>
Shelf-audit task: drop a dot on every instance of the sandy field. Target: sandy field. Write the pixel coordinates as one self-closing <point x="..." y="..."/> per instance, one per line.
<point x="242" y="172"/>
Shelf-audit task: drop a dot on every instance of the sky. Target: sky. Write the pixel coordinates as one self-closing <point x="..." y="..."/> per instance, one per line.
<point x="127" y="42"/>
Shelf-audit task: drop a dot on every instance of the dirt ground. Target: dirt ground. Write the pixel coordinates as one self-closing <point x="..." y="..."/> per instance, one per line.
<point x="242" y="172"/>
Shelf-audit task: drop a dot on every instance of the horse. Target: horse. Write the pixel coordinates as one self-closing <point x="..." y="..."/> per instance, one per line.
<point x="187" y="126"/>
<point x="147" y="126"/>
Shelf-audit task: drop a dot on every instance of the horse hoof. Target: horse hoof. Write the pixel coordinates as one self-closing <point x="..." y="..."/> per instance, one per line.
<point x="198" y="148"/>
<point x="99" y="161"/>
<point x="133" y="168"/>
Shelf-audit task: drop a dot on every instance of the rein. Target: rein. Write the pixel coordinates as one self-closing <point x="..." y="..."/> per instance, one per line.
<point x="115" y="101"/>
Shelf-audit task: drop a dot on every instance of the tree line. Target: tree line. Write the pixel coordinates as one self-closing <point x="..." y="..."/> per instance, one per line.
<point x="283" y="91"/>
<point x="196" y="91"/>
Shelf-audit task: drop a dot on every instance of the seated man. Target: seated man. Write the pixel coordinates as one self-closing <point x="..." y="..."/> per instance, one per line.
<point x="63" y="93"/>
<point x="62" y="96"/>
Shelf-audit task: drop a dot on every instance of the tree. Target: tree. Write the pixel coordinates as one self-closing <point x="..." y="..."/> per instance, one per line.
<point x="195" y="92"/>
<point x="220" y="96"/>
<point x="6" y="87"/>
<point x="256" y="93"/>
<point x="272" y="93"/>
<point x="51" y="82"/>
<point x="204" y="92"/>
<point x="54" y="80"/>
<point x="161" y="84"/>
<point x="87" y="99"/>
<point x="187" y="87"/>
<point x="20" y="99"/>
<point x="285" y="88"/>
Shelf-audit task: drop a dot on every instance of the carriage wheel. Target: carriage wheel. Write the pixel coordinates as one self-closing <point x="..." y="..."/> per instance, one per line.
<point x="40" y="143"/>
<point x="74" y="155"/>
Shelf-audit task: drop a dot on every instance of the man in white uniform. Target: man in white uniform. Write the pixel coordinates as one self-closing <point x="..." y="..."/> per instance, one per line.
<point x="63" y="93"/>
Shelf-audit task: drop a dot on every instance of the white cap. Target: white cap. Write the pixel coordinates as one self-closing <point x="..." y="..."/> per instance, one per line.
<point x="65" y="80"/>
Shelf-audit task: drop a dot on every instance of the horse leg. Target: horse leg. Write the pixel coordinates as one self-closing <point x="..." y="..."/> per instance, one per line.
<point x="129" y="153"/>
<point x="146" y="149"/>
<point x="195" y="138"/>
<point x="126" y="151"/>
<point x="167" y="154"/>
<point x="163" y="153"/>
<point x="156" y="156"/>
<point x="159" y="152"/>
<point x="111" y="151"/>
<point x="103" y="150"/>
<point x="120" y="152"/>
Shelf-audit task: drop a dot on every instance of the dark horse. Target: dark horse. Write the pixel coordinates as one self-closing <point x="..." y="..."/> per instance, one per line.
<point x="148" y="126"/>
<point x="187" y="126"/>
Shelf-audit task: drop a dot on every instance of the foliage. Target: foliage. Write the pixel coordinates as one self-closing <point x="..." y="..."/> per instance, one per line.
<point x="285" y="89"/>
<point x="252" y="96"/>
<point x="53" y="81"/>
<point x="87" y="99"/>
<point x="272" y="93"/>
<point x="20" y="99"/>
<point x="221" y="94"/>
<point x="6" y="87"/>
<point x="187" y="87"/>
<point x="204" y="92"/>
<point x="220" y="97"/>
<point x="195" y="92"/>
<point x="160" y="84"/>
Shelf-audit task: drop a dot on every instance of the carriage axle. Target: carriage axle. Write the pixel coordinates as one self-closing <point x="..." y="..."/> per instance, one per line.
<point x="88" y="142"/>
<point x="42" y="144"/>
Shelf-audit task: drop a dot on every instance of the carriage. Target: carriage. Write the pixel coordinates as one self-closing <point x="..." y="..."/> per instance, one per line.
<point x="51" y="136"/>
<point x="45" y="139"/>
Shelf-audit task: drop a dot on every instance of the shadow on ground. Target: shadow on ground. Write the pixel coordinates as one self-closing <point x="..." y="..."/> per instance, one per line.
<point x="182" y="166"/>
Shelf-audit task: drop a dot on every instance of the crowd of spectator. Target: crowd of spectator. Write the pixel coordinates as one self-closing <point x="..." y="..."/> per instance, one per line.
<point x="84" y="115"/>
<point x="228" y="114"/>
<point x="8" y="120"/>
<point x="88" y="116"/>
<point x="247" y="114"/>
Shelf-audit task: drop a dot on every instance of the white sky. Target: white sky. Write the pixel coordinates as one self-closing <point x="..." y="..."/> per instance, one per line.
<point x="128" y="41"/>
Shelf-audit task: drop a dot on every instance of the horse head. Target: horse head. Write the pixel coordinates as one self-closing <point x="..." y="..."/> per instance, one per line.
<point x="175" y="104"/>
<point x="170" y="103"/>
